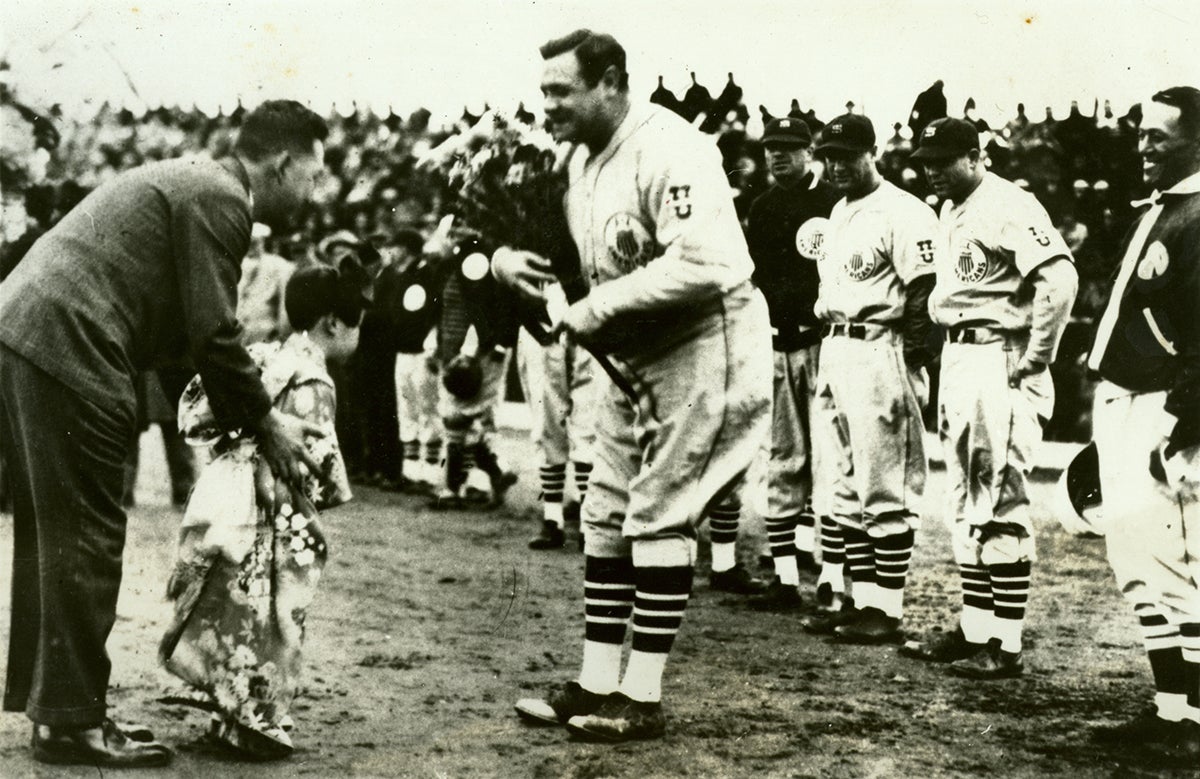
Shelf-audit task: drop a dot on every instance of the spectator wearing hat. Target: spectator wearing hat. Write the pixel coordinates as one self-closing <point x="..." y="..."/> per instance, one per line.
<point x="875" y="260"/>
<point x="780" y="224"/>
<point x="1005" y="285"/>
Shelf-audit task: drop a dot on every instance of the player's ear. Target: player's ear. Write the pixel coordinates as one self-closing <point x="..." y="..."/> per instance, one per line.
<point x="611" y="78"/>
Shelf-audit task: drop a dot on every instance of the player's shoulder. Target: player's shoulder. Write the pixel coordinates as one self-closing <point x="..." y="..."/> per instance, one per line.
<point x="904" y="203"/>
<point x="666" y="132"/>
<point x="999" y="191"/>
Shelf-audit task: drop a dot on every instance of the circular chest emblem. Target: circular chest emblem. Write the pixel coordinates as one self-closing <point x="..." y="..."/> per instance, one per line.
<point x="1154" y="262"/>
<point x="860" y="265"/>
<point x="971" y="264"/>
<point x="810" y="238"/>
<point x="628" y="242"/>
<point x="414" y="298"/>
<point x="475" y="266"/>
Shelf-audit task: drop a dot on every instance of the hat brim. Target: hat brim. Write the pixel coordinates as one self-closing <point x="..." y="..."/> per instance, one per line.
<point x="835" y="146"/>
<point x="925" y="153"/>
<point x="785" y="140"/>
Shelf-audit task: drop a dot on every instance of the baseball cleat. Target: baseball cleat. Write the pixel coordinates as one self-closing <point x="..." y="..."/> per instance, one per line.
<point x="825" y="624"/>
<point x="620" y="718"/>
<point x="569" y="701"/>
<point x="551" y="536"/>
<point x="871" y="626"/>
<point x="941" y="647"/>
<point x="990" y="662"/>
<point x="736" y="580"/>
<point x="777" y="597"/>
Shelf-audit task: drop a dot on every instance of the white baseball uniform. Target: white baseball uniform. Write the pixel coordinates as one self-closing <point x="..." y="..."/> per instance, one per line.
<point x="668" y="269"/>
<point x="989" y="245"/>
<point x="873" y="247"/>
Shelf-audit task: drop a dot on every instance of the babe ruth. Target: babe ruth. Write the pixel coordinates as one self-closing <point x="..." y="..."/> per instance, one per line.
<point x="1146" y="424"/>
<point x="671" y="302"/>
<point x="1005" y="286"/>
<point x="876" y="270"/>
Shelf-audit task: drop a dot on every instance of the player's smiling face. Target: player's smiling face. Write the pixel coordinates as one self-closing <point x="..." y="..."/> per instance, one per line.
<point x="574" y="110"/>
<point x="851" y="173"/>
<point x="1169" y="155"/>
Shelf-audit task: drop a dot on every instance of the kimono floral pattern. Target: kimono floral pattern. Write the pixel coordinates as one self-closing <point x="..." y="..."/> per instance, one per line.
<point x="245" y="575"/>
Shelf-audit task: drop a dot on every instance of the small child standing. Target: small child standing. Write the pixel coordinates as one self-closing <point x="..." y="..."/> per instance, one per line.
<point x="248" y="563"/>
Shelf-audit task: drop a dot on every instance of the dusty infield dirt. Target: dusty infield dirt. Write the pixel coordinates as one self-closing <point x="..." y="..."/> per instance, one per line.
<point x="429" y="625"/>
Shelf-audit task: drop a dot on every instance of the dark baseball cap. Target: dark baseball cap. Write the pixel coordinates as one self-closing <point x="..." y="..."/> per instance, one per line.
<point x="944" y="139"/>
<point x="848" y="132"/>
<point x="787" y="131"/>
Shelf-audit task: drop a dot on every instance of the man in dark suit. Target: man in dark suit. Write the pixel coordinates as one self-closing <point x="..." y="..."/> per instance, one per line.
<point x="142" y="271"/>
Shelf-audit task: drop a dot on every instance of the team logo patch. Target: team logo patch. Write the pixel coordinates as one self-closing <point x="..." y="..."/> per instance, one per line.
<point x="861" y="265"/>
<point x="628" y="242"/>
<point x="810" y="238"/>
<point x="414" y="298"/>
<point x="1154" y="262"/>
<point x="680" y="198"/>
<point x="925" y="251"/>
<point x="971" y="264"/>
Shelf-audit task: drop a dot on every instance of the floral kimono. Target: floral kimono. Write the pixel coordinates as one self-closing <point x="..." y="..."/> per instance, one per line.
<point x="244" y="577"/>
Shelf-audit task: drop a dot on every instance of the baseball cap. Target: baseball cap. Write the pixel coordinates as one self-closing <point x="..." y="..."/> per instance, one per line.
<point x="944" y="139"/>
<point x="793" y="132"/>
<point x="848" y="132"/>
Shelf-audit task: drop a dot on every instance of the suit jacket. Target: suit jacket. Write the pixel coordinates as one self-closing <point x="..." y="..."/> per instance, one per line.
<point x="142" y="272"/>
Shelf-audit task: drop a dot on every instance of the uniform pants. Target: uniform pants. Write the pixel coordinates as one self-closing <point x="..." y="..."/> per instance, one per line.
<point x="792" y="461"/>
<point x="701" y="415"/>
<point x="557" y="380"/>
<point x="989" y="432"/>
<point x="873" y="429"/>
<point x="68" y="464"/>
<point x="1152" y="532"/>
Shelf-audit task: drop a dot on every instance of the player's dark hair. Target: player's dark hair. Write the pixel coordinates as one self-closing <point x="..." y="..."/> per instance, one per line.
<point x="279" y="125"/>
<point x="317" y="290"/>
<point x="410" y="240"/>
<point x="1187" y="100"/>
<point x="596" y="52"/>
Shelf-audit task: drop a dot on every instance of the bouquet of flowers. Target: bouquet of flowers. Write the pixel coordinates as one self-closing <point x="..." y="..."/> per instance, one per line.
<point x="507" y="180"/>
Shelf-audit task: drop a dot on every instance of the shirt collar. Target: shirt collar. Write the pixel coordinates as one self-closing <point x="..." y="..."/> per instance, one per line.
<point x="1189" y="186"/>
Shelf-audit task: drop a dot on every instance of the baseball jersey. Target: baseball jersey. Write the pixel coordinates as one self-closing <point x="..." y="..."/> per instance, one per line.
<point x="872" y="248"/>
<point x="787" y="278"/>
<point x="987" y="246"/>
<point x="673" y="239"/>
<point x="1149" y="335"/>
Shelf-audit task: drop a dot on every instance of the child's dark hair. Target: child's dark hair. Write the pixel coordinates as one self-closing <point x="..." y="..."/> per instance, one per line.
<point x="317" y="290"/>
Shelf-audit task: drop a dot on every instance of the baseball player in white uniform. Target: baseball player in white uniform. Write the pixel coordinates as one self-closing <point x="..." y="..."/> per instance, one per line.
<point x="670" y="302"/>
<point x="1146" y="425"/>
<point x="1005" y="287"/>
<point x="557" y="379"/>
<point x="876" y="270"/>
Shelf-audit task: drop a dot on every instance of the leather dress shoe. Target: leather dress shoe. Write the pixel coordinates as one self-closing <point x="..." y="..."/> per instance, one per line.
<point x="106" y="746"/>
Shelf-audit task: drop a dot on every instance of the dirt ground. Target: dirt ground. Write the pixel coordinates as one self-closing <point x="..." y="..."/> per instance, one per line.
<point x="429" y="625"/>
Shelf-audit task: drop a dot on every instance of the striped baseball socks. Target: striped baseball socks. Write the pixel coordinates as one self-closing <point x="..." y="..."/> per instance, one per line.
<point x="1176" y="681"/>
<point x="1010" y="594"/>
<point x="723" y="520"/>
<point x="893" y="554"/>
<point x="833" y="558"/>
<point x="583" y="474"/>
<point x="659" y="605"/>
<point x="554" y="483"/>
<point x="860" y="560"/>
<point x="976" y="616"/>
<point x="608" y="596"/>
<point x="781" y="539"/>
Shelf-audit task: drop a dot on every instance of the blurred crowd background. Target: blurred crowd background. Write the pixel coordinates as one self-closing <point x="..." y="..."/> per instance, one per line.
<point x="1083" y="167"/>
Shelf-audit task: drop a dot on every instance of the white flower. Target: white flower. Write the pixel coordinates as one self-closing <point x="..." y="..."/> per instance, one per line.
<point x="305" y="557"/>
<point x="299" y="521"/>
<point x="297" y="544"/>
<point x="281" y="523"/>
<point x="244" y="657"/>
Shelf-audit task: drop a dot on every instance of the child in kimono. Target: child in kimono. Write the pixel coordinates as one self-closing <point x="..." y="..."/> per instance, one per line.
<point x="247" y="566"/>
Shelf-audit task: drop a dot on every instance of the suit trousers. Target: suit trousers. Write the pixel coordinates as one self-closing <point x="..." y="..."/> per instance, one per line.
<point x="67" y="459"/>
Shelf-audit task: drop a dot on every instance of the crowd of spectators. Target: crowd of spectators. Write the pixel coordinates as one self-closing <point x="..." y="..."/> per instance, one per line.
<point x="1082" y="167"/>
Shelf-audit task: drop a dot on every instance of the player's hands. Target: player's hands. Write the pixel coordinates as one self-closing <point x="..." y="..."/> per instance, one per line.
<point x="1028" y="366"/>
<point x="524" y="271"/>
<point x="579" y="322"/>
<point x="281" y="440"/>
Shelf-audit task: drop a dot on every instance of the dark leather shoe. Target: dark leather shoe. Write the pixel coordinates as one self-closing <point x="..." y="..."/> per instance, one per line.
<point x="990" y="662"/>
<point x="736" y="580"/>
<point x="551" y="536"/>
<point x="106" y="745"/>
<point x="871" y="627"/>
